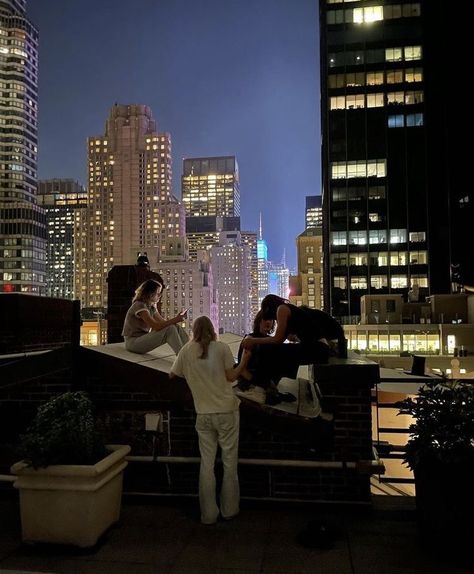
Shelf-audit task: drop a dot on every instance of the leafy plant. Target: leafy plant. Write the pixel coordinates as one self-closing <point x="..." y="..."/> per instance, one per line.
<point x="63" y="432"/>
<point x="443" y="427"/>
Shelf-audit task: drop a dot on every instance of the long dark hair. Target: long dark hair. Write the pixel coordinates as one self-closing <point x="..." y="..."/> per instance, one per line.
<point x="204" y="333"/>
<point x="270" y="304"/>
<point x="256" y="323"/>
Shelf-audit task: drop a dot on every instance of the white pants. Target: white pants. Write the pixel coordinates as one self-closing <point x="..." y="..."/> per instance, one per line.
<point x="174" y="335"/>
<point x="218" y="429"/>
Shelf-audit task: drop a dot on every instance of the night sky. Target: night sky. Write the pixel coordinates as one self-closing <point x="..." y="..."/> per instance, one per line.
<point x="224" y="77"/>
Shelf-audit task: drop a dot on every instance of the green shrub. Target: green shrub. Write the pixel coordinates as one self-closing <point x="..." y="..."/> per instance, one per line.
<point x="63" y="432"/>
<point x="443" y="426"/>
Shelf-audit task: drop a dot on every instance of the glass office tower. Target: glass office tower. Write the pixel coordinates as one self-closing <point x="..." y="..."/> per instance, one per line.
<point x="393" y="192"/>
<point x="22" y="221"/>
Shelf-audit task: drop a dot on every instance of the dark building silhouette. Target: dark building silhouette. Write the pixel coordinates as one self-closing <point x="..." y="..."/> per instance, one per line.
<point x="397" y="205"/>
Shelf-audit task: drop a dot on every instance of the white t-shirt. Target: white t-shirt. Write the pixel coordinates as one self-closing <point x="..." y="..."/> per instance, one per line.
<point x="212" y="392"/>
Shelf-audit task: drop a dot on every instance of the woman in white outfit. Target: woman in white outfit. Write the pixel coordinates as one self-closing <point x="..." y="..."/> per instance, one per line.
<point x="145" y="329"/>
<point x="208" y="367"/>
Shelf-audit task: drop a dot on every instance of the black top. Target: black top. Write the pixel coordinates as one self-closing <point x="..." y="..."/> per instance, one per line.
<point x="310" y="325"/>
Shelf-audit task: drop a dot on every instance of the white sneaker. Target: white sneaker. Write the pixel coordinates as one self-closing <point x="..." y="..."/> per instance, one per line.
<point x="256" y="394"/>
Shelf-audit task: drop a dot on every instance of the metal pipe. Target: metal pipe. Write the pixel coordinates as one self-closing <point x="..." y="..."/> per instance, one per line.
<point x="367" y="464"/>
<point x="7" y="478"/>
<point x="262" y="462"/>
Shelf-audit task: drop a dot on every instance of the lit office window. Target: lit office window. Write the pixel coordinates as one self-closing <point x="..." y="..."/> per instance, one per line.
<point x="367" y="14"/>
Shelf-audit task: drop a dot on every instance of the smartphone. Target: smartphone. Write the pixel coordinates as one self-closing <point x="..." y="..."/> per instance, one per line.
<point x="185" y="311"/>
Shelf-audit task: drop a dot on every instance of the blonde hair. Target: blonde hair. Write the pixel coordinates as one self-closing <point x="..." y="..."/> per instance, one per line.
<point x="146" y="290"/>
<point x="204" y="333"/>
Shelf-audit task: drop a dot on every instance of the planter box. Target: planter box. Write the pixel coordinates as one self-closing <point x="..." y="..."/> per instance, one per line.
<point x="71" y="504"/>
<point x="445" y="504"/>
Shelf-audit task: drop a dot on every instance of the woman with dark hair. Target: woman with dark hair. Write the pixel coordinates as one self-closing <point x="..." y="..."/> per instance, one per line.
<point x="261" y="328"/>
<point x="144" y="329"/>
<point x="208" y="367"/>
<point x="246" y="386"/>
<point x="312" y="329"/>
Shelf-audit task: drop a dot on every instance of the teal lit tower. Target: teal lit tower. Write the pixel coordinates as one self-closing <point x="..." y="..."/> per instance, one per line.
<point x="262" y="264"/>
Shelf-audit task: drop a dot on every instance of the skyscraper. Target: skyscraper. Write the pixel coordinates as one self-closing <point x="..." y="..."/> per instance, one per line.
<point x="313" y="212"/>
<point x="262" y="264"/>
<point x="61" y="198"/>
<point x="210" y="187"/>
<point x="231" y="265"/>
<point x="190" y="285"/>
<point x="22" y="221"/>
<point x="395" y="202"/>
<point x="130" y="205"/>
<point x="211" y="197"/>
<point x="279" y="279"/>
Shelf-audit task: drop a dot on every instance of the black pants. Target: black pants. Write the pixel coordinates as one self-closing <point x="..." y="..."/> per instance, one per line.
<point x="272" y="362"/>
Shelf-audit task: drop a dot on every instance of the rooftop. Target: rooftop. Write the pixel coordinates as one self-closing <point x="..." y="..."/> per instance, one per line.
<point x="165" y="536"/>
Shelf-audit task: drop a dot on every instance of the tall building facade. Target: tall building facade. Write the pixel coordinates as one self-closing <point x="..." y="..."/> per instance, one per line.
<point x="231" y="265"/>
<point x="60" y="198"/>
<point x="211" y="196"/>
<point x="249" y="238"/>
<point x="210" y="193"/>
<point x="130" y="205"/>
<point x="313" y="211"/>
<point x="306" y="287"/>
<point x="262" y="264"/>
<point x="189" y="285"/>
<point x="210" y="187"/>
<point x="279" y="279"/>
<point x="22" y="221"/>
<point x="392" y="187"/>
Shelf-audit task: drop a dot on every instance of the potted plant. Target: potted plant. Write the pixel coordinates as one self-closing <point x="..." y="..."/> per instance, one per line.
<point x="70" y="483"/>
<point x="440" y="451"/>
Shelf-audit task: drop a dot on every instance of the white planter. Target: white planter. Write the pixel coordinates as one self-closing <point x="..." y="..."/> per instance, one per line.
<point x="71" y="504"/>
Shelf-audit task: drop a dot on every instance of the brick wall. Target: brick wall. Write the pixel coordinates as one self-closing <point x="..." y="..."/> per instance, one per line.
<point x="124" y="393"/>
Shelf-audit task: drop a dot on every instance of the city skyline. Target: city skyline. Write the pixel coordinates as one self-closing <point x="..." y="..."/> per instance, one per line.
<point x="215" y="93"/>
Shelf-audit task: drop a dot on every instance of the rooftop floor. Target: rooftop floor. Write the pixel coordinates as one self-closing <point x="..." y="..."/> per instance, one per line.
<point x="165" y="536"/>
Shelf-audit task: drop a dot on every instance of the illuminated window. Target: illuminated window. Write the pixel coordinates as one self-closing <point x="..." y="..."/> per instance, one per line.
<point x="398" y="281"/>
<point x="338" y="238"/>
<point x="378" y="281"/>
<point x="397" y="121"/>
<point x="412" y="52"/>
<point x="417" y="236"/>
<point x="414" y="75"/>
<point x="375" y="100"/>
<point x="374" y="78"/>
<point x="419" y="280"/>
<point x="398" y="235"/>
<point x="394" y="76"/>
<point x="358" y="282"/>
<point x="367" y="14"/>
<point x="414" y="120"/>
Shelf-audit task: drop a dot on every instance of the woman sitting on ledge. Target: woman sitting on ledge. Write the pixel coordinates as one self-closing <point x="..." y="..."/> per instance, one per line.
<point x="145" y="329"/>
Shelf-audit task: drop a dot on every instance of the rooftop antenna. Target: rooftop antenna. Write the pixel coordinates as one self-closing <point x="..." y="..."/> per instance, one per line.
<point x="260" y="228"/>
<point x="283" y="259"/>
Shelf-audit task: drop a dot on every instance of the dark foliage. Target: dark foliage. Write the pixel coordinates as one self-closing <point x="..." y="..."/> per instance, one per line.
<point x="443" y="426"/>
<point x="63" y="432"/>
